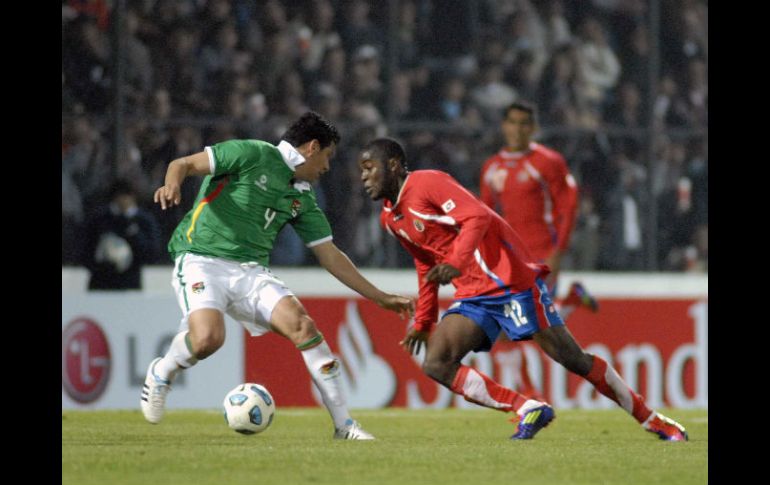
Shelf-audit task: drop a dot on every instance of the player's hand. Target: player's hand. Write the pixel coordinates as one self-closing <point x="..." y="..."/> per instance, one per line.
<point x="414" y="340"/>
<point x="168" y="196"/>
<point x="400" y="304"/>
<point x="442" y="273"/>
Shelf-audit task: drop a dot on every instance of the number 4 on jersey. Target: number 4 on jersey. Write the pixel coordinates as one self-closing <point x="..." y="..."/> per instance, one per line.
<point x="269" y="216"/>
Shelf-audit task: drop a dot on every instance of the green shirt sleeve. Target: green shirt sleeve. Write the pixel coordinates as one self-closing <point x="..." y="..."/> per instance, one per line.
<point x="235" y="156"/>
<point x="312" y="226"/>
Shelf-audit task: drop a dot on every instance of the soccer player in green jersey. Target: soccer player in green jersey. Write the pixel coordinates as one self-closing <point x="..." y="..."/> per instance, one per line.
<point x="221" y="251"/>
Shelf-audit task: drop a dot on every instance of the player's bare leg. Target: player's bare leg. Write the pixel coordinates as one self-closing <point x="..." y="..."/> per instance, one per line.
<point x="561" y="346"/>
<point x="291" y="320"/>
<point x="451" y="341"/>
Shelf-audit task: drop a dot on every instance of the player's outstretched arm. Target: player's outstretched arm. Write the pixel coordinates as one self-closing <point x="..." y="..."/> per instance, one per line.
<point x="339" y="265"/>
<point x="171" y="194"/>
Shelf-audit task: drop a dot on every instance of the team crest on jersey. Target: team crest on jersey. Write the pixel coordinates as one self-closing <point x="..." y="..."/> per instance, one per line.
<point x="496" y="179"/>
<point x="522" y="176"/>
<point x="419" y="225"/>
<point x="330" y="368"/>
<point x="295" y="206"/>
<point x="198" y="287"/>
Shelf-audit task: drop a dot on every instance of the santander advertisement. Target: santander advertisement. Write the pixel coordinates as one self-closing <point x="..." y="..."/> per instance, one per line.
<point x="659" y="347"/>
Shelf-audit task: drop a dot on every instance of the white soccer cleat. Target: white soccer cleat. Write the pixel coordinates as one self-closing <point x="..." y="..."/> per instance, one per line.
<point x="352" y="431"/>
<point x="154" y="394"/>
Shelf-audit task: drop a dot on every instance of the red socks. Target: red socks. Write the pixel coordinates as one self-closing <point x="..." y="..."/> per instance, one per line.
<point x="480" y="389"/>
<point x="607" y="381"/>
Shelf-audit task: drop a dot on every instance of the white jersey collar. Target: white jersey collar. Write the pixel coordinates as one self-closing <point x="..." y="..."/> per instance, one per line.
<point x="290" y="155"/>
<point x="293" y="159"/>
<point x="506" y="153"/>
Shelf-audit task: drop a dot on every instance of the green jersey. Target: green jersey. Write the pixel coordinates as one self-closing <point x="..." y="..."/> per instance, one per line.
<point x="246" y="201"/>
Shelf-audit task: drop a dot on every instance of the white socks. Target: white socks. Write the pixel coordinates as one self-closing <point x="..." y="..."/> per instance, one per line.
<point x="177" y="358"/>
<point x="325" y="371"/>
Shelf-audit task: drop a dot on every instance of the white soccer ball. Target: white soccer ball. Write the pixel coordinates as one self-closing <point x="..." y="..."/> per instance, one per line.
<point x="249" y="408"/>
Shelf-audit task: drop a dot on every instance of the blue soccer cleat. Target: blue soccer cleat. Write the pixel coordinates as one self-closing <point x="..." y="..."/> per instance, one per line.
<point x="533" y="421"/>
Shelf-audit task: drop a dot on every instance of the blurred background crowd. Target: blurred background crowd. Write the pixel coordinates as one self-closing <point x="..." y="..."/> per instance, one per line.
<point x="621" y="87"/>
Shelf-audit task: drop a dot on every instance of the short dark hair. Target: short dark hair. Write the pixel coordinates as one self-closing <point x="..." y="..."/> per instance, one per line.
<point x="524" y="106"/>
<point x="311" y="126"/>
<point x="383" y="149"/>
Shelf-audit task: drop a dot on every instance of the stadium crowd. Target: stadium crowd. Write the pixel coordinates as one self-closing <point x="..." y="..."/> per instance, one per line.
<point x="435" y="74"/>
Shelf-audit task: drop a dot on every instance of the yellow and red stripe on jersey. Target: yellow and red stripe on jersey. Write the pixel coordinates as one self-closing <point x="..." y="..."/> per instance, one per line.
<point x="202" y="204"/>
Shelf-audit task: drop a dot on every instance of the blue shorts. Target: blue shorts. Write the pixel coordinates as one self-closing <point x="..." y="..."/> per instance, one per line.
<point x="520" y="315"/>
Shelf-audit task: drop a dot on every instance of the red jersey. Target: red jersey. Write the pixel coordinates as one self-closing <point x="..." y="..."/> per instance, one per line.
<point x="439" y="221"/>
<point x="535" y="193"/>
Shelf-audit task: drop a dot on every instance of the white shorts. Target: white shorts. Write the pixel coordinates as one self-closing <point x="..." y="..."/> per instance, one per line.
<point x="247" y="292"/>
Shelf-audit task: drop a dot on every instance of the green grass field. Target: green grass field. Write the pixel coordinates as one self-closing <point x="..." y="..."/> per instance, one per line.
<point x="469" y="447"/>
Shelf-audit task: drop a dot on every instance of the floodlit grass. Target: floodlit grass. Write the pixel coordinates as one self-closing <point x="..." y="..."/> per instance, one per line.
<point x="469" y="447"/>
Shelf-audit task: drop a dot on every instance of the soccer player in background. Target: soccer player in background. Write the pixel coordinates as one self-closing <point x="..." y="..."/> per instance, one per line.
<point x="221" y="251"/>
<point x="454" y="237"/>
<point x="531" y="187"/>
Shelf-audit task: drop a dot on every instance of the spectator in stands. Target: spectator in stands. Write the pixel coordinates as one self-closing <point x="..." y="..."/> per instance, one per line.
<point x="493" y="94"/>
<point x="597" y="64"/>
<point x="86" y="63"/>
<point x="322" y="36"/>
<point x="623" y="238"/>
<point x="558" y="89"/>
<point x="119" y="241"/>
<point x="357" y="28"/>
<point x="627" y="110"/>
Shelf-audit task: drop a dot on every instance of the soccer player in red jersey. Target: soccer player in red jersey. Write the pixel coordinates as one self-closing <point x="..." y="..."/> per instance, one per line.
<point x="530" y="186"/>
<point x="455" y="238"/>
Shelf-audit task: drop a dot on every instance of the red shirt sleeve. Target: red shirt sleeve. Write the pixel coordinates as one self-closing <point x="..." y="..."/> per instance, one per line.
<point x="564" y="193"/>
<point x="472" y="219"/>
<point x="426" y="313"/>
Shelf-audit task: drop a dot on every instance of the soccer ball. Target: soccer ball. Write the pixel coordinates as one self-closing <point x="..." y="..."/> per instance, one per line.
<point x="249" y="408"/>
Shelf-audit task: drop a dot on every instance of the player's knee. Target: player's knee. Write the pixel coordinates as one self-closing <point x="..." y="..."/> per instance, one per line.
<point x="302" y="330"/>
<point x="206" y="343"/>
<point x="436" y="370"/>
<point x="575" y="361"/>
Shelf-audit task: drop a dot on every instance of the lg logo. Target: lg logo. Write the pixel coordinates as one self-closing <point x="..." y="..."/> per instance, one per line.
<point x="85" y="353"/>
